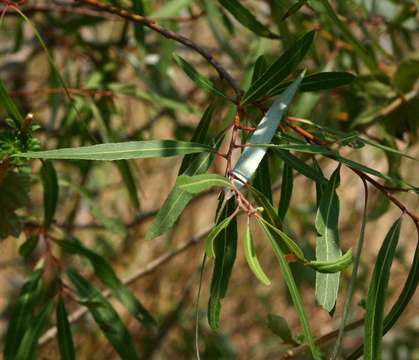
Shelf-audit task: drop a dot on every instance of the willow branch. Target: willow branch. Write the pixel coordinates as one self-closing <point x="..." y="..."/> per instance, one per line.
<point x="151" y="24"/>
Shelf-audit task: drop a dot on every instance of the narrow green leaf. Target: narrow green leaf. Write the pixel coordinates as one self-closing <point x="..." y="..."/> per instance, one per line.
<point x="269" y="213"/>
<point x="280" y="69"/>
<point x="247" y="19"/>
<point x="120" y="151"/>
<point x="406" y="295"/>
<point x="225" y="255"/>
<point x="304" y="148"/>
<point x="252" y="156"/>
<point x="293" y="289"/>
<point x="178" y="199"/>
<point x="22" y="314"/>
<point x="332" y="266"/>
<point x="300" y="166"/>
<point x="8" y="104"/>
<point x="317" y="82"/>
<point x="259" y="68"/>
<point x="107" y="276"/>
<point x="50" y="185"/>
<point x="251" y="258"/>
<point x="197" y="78"/>
<point x="377" y="294"/>
<point x="209" y="242"/>
<point x="199" y="136"/>
<point x="65" y="338"/>
<point x="105" y="316"/>
<point x="286" y="190"/>
<point x="289" y="243"/>
<point x="34" y="328"/>
<point x="327" y="244"/>
<point x="27" y="248"/>
<point x="199" y="183"/>
<point x="294" y="8"/>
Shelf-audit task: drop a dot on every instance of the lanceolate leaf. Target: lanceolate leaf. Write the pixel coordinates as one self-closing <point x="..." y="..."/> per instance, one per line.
<point x="33" y="331"/>
<point x="120" y="151"/>
<point x="178" y="199"/>
<point x="317" y="82"/>
<point x="247" y="19"/>
<point x="327" y="245"/>
<point x="377" y="294"/>
<point x="105" y="316"/>
<point x="301" y="167"/>
<point x="251" y="258"/>
<point x="406" y="295"/>
<point x="197" y="78"/>
<point x="50" y="184"/>
<point x="295" y="294"/>
<point x="106" y="274"/>
<point x="65" y="338"/>
<point x="22" y="314"/>
<point x="252" y="156"/>
<point x="269" y="213"/>
<point x="199" y="183"/>
<point x="209" y="243"/>
<point x="225" y="255"/>
<point x="280" y="69"/>
<point x="286" y="190"/>
<point x="262" y="180"/>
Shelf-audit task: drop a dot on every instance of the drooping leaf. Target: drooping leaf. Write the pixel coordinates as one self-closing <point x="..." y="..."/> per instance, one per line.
<point x="332" y="266"/>
<point x="259" y="68"/>
<point x="213" y="234"/>
<point x="374" y="320"/>
<point x="22" y="314"/>
<point x="8" y="104"/>
<point x="280" y="327"/>
<point x="27" y="248"/>
<point x="251" y="258"/>
<point x="294" y="8"/>
<point x="197" y="78"/>
<point x="65" y="338"/>
<point x="327" y="243"/>
<point x="247" y="19"/>
<point x="317" y="82"/>
<point x="178" y="199"/>
<point x="403" y="300"/>
<point x="105" y="316"/>
<point x="286" y="190"/>
<point x="252" y="156"/>
<point x="293" y="289"/>
<point x="280" y="69"/>
<point x="107" y="276"/>
<point x="262" y="180"/>
<point x="121" y="151"/>
<point x="269" y="212"/>
<point x="14" y="190"/>
<point x="34" y="328"/>
<point x="199" y="183"/>
<point x="50" y="185"/>
<point x="225" y="255"/>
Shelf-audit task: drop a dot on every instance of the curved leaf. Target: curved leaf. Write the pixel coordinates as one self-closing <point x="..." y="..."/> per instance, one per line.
<point x="332" y="266"/>
<point x="50" y="185"/>
<point x="199" y="183"/>
<point x="65" y="339"/>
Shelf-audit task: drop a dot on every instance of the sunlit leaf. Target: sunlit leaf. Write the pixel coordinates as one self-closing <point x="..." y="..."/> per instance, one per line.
<point x="251" y="258"/>
<point x="199" y="183"/>
<point x="327" y="243"/>
<point x="332" y="266"/>
<point x="120" y="151"/>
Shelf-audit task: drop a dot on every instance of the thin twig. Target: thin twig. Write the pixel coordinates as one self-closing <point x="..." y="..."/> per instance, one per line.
<point x="151" y="24"/>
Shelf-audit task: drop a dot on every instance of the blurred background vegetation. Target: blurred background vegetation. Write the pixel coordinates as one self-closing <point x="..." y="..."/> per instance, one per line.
<point x="126" y="86"/>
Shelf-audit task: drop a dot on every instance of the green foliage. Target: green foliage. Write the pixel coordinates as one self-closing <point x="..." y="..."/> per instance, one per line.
<point x="309" y="88"/>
